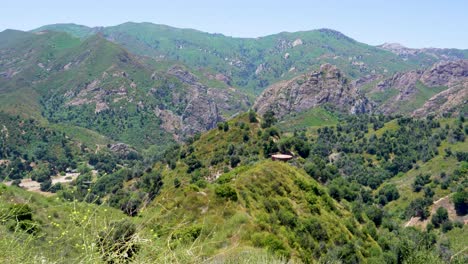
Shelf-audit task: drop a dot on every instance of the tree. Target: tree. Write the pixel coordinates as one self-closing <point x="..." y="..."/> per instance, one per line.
<point x="235" y="160"/>
<point x="45" y="185"/>
<point x="226" y="126"/>
<point x="420" y="181"/>
<point x="440" y="217"/>
<point x="252" y="116"/>
<point x="460" y="200"/>
<point x="390" y="192"/>
<point x="268" y="119"/>
<point x="418" y="207"/>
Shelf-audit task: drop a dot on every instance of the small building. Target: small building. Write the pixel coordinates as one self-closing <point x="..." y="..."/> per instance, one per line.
<point x="281" y="157"/>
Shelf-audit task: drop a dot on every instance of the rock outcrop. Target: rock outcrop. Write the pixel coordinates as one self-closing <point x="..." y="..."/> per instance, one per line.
<point x="439" y="89"/>
<point x="326" y="86"/>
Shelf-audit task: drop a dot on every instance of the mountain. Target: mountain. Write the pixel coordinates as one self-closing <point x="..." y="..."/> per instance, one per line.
<point x="88" y="83"/>
<point x="253" y="63"/>
<point x="318" y="88"/>
<point x="165" y="84"/>
<point x="439" y="54"/>
<point x="140" y="143"/>
<point x="436" y="90"/>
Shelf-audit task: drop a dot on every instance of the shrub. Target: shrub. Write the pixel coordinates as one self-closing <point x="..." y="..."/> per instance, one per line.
<point x="177" y="183"/>
<point x="268" y="119"/>
<point x="226" y="127"/>
<point x="440" y="217"/>
<point x="188" y="234"/>
<point x="252" y="116"/>
<point x="235" y="160"/>
<point x="390" y="192"/>
<point x="118" y="243"/>
<point x="193" y="163"/>
<point x="226" y="191"/>
<point x="20" y="212"/>
<point x="460" y="200"/>
<point x="420" y="181"/>
<point x="418" y="207"/>
<point x="447" y="226"/>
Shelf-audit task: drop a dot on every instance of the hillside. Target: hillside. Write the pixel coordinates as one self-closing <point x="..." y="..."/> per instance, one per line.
<point x="253" y="64"/>
<point x="439" y="54"/>
<point x="436" y="90"/>
<point x="88" y="83"/>
<point x="145" y="143"/>
<point x="219" y="198"/>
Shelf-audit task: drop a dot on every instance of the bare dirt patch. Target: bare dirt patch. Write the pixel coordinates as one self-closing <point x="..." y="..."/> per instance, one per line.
<point x="442" y="202"/>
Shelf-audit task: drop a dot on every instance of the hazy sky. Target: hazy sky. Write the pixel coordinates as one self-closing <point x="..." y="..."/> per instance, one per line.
<point x="413" y="23"/>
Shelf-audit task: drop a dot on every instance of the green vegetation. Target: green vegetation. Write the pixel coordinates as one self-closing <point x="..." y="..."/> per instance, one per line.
<point x="314" y="117"/>
<point x="218" y="193"/>
<point x="241" y="57"/>
<point x="97" y="129"/>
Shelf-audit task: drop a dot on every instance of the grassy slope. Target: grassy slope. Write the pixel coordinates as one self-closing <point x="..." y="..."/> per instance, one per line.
<point x="235" y="226"/>
<point x="67" y="231"/>
<point x="312" y="118"/>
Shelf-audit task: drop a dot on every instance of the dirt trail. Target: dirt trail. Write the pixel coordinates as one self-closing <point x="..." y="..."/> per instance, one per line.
<point x="442" y="202"/>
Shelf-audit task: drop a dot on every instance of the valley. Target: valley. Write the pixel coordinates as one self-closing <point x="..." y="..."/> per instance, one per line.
<point x="147" y="143"/>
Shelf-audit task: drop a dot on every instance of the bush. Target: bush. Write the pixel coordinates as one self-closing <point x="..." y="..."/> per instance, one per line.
<point x="375" y="214"/>
<point x="440" y="217"/>
<point x="235" y="160"/>
<point x="226" y="191"/>
<point x="268" y="119"/>
<point x="418" y="207"/>
<point x="420" y="181"/>
<point x="118" y="244"/>
<point x="193" y="163"/>
<point x="187" y="235"/>
<point x="447" y="226"/>
<point x="46" y="185"/>
<point x="460" y="200"/>
<point x="226" y="127"/>
<point x="177" y="183"/>
<point x="252" y="116"/>
<point x="20" y="212"/>
<point x="390" y="192"/>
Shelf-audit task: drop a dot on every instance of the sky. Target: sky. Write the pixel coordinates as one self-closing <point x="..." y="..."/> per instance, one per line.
<point x="413" y="23"/>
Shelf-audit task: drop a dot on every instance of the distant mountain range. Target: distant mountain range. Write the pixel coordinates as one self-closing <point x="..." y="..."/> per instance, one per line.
<point x="142" y="83"/>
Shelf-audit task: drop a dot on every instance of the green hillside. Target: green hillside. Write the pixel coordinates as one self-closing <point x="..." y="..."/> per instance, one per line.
<point x="219" y="197"/>
<point x="135" y="144"/>
<point x="253" y="63"/>
<point x="97" y="85"/>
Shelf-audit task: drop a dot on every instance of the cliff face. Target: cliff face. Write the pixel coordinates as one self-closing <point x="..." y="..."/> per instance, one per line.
<point x="439" y="89"/>
<point x="202" y="107"/>
<point x="326" y="86"/>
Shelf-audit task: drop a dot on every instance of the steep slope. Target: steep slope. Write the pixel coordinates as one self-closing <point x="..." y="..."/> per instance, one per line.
<point x="269" y="205"/>
<point x="326" y="86"/>
<point x="89" y="83"/>
<point x="254" y="63"/>
<point x="40" y="229"/>
<point x="436" y="90"/>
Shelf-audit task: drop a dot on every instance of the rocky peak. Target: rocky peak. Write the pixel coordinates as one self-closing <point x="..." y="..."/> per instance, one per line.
<point x="399" y="49"/>
<point x="326" y="86"/>
<point x="445" y="73"/>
